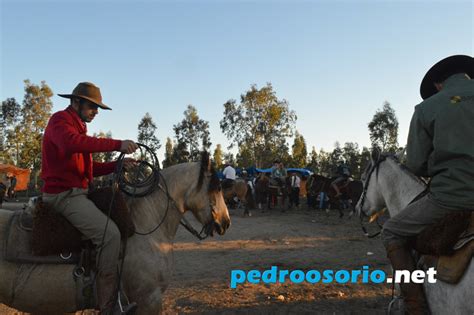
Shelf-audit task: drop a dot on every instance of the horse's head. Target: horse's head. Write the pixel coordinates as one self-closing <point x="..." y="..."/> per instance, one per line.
<point x="371" y="200"/>
<point x="206" y="201"/>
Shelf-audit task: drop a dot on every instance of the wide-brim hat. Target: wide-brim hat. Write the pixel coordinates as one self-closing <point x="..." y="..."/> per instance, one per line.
<point x="88" y="91"/>
<point x="442" y="70"/>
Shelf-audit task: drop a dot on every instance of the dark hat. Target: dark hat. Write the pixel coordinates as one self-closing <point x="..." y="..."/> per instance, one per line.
<point x="444" y="69"/>
<point x="88" y="91"/>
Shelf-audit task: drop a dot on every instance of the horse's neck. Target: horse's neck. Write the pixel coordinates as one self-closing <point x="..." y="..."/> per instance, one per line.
<point x="399" y="187"/>
<point x="149" y="211"/>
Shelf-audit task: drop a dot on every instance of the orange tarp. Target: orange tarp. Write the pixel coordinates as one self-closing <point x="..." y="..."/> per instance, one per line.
<point x="22" y="175"/>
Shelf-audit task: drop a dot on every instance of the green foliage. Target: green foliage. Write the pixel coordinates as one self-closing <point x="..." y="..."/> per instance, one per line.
<point x="299" y="151"/>
<point x="325" y="163"/>
<point x="192" y="135"/>
<point x="313" y="163"/>
<point x="218" y="156"/>
<point x="169" y="157"/>
<point x="229" y="158"/>
<point x="351" y="155"/>
<point x="9" y="116"/>
<point x="244" y="158"/>
<point x="261" y="122"/>
<point x="335" y="156"/>
<point x="23" y="127"/>
<point x="147" y="135"/>
<point x="26" y="137"/>
<point x="384" y="129"/>
<point x="103" y="156"/>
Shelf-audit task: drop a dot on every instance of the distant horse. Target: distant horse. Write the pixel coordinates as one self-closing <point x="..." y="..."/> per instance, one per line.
<point x="243" y="192"/>
<point x="148" y="265"/>
<point x="261" y="190"/>
<point x="350" y="190"/>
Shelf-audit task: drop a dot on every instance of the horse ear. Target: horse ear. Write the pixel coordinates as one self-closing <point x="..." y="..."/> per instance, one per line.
<point x="375" y="154"/>
<point x="399" y="155"/>
<point x="206" y="161"/>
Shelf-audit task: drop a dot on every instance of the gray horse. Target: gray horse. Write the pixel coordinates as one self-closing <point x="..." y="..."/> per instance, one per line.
<point x="50" y="289"/>
<point x="394" y="187"/>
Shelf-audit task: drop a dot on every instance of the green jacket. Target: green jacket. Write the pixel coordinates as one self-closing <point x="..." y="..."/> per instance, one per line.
<point x="441" y="143"/>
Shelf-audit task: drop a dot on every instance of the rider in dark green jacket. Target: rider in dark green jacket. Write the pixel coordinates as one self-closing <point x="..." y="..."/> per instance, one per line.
<point x="441" y="142"/>
<point x="440" y="146"/>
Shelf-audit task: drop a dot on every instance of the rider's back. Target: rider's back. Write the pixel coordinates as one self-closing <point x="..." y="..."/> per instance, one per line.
<point x="448" y="119"/>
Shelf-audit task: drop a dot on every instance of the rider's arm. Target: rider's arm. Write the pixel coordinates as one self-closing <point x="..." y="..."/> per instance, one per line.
<point x="64" y="135"/>
<point x="419" y="145"/>
<point x="100" y="169"/>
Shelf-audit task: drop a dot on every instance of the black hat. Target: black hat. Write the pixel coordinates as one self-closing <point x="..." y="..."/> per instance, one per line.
<point x="443" y="70"/>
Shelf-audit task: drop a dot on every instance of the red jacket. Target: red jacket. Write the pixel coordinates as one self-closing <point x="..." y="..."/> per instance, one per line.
<point x="67" y="153"/>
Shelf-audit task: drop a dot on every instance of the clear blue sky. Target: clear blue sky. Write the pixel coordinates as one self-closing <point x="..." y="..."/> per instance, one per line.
<point x="336" y="62"/>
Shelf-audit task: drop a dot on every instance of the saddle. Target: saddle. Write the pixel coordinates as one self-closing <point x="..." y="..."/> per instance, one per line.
<point x="47" y="237"/>
<point x="448" y="246"/>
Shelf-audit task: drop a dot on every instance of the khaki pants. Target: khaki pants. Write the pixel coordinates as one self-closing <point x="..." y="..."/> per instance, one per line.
<point x="82" y="213"/>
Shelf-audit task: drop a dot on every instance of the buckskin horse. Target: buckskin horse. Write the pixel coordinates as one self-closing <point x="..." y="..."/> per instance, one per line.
<point x="350" y="190"/>
<point x="388" y="184"/>
<point x="147" y="269"/>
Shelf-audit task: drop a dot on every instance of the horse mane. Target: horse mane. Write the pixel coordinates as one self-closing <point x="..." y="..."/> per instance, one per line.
<point x="404" y="168"/>
<point x="214" y="183"/>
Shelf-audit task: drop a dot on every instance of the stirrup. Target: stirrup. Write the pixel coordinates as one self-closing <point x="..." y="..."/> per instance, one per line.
<point x="128" y="309"/>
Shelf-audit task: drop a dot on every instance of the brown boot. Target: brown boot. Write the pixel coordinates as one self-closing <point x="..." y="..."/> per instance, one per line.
<point x="106" y="292"/>
<point x="107" y="296"/>
<point x="412" y="293"/>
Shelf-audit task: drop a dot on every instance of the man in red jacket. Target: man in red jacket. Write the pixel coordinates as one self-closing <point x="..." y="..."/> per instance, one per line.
<point x="68" y="170"/>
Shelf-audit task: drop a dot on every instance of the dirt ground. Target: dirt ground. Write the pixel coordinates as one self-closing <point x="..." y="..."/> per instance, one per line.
<point x="294" y="239"/>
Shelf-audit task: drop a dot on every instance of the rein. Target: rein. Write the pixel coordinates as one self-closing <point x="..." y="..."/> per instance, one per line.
<point x="143" y="185"/>
<point x="184" y="222"/>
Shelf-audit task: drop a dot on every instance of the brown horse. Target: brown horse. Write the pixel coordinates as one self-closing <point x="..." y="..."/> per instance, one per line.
<point x="350" y="190"/>
<point x="268" y="192"/>
<point x="243" y="192"/>
<point x="261" y="189"/>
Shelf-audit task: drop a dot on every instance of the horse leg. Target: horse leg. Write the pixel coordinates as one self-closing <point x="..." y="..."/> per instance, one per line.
<point x="340" y="208"/>
<point x="247" y="211"/>
<point x="352" y="209"/>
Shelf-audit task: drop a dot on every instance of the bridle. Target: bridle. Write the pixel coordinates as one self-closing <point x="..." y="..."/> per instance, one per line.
<point x="365" y="185"/>
<point x="141" y="187"/>
<point x="206" y="229"/>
